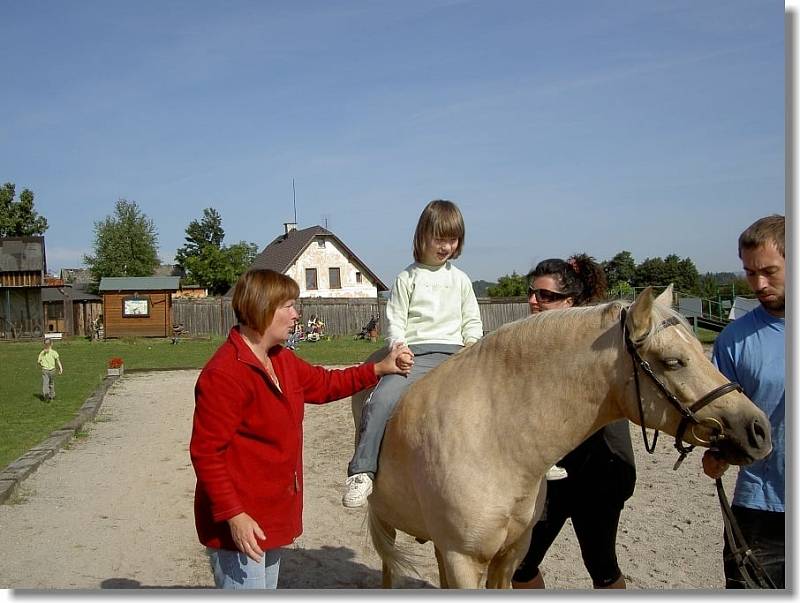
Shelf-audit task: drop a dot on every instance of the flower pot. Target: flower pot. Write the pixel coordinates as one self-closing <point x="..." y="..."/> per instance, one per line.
<point x="116" y="372"/>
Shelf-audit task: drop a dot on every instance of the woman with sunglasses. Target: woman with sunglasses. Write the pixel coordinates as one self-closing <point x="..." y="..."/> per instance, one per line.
<point x="600" y="472"/>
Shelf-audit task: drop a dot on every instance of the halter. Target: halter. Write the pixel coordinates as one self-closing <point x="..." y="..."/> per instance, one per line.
<point x="687" y="412"/>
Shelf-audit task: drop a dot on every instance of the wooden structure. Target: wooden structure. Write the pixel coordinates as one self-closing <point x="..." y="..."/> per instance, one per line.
<point x="138" y="306"/>
<point x="70" y="310"/>
<point x="22" y="271"/>
<point x="342" y="317"/>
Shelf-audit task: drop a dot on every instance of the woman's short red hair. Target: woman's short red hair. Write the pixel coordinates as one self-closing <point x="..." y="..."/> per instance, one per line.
<point x="258" y="293"/>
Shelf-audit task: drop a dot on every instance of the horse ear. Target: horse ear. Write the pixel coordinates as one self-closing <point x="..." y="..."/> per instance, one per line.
<point x="666" y="296"/>
<point x="639" y="319"/>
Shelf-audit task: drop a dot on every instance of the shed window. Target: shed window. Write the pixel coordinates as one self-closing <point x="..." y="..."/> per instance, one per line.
<point x="55" y="311"/>
<point x="311" y="278"/>
<point x="135" y="306"/>
<point x="334" y="278"/>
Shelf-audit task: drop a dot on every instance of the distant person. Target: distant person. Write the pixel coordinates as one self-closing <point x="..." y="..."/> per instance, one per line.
<point x="601" y="473"/>
<point x="432" y="309"/>
<point x="247" y="432"/>
<point x="48" y="361"/>
<point x="751" y="352"/>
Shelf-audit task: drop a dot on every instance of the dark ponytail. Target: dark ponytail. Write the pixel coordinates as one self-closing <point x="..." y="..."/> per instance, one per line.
<point x="580" y="277"/>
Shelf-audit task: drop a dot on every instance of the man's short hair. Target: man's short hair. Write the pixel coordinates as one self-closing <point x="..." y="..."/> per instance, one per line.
<point x="770" y="229"/>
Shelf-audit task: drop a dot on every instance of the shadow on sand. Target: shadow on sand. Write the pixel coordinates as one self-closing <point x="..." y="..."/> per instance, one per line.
<point x="329" y="567"/>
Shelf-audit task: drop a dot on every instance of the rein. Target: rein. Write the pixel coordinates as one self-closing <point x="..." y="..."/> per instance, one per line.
<point x="751" y="570"/>
<point x="687" y="412"/>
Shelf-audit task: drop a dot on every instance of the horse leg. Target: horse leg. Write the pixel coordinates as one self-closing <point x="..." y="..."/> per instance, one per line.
<point x="505" y="563"/>
<point x="386" y="575"/>
<point x="440" y="563"/>
<point x="386" y="570"/>
<point x="463" y="571"/>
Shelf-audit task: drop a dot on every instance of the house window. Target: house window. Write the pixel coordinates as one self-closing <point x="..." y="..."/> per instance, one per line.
<point x="135" y="306"/>
<point x="321" y="243"/>
<point x="334" y="278"/>
<point x="311" y="278"/>
<point x="358" y="278"/>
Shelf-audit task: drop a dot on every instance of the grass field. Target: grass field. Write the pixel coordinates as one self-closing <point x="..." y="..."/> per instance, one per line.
<point x="25" y="420"/>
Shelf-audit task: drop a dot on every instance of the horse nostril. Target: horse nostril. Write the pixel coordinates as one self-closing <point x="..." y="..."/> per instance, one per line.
<point x="758" y="433"/>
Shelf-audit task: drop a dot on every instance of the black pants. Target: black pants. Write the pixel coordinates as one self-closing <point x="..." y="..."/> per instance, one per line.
<point x="765" y="533"/>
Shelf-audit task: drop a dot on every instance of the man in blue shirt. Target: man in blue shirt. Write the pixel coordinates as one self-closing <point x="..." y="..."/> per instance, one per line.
<point x="751" y="352"/>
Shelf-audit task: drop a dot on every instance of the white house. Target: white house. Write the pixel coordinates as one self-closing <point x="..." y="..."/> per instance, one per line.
<point x="320" y="263"/>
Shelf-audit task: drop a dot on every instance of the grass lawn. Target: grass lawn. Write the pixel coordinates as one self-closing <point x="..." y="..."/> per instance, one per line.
<point x="706" y="336"/>
<point x="25" y="420"/>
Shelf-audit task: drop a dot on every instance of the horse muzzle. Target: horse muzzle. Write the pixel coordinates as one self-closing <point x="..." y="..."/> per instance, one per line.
<point x="742" y="443"/>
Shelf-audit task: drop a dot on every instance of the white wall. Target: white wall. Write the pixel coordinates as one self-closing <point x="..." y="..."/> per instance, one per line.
<point x="330" y="256"/>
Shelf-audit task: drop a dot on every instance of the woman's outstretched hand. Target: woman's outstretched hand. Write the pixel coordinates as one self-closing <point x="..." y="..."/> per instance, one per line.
<point x="398" y="361"/>
<point x="245" y="530"/>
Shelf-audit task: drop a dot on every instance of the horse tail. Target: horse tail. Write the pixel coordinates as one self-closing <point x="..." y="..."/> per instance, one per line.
<point x="397" y="558"/>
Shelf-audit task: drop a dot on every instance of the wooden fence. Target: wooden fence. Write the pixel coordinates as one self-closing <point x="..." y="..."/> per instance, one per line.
<point x="214" y="316"/>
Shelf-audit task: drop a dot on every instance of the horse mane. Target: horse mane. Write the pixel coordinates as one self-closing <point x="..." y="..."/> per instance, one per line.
<point x="566" y="318"/>
<point x="577" y="317"/>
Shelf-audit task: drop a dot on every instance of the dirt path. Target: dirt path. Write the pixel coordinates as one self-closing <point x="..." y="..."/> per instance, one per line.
<point x="114" y="510"/>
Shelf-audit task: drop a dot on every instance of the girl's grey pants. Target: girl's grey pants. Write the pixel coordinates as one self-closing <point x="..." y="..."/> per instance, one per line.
<point x="380" y="404"/>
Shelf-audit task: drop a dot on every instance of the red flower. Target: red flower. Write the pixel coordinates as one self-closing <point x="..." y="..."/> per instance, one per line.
<point x="115" y="362"/>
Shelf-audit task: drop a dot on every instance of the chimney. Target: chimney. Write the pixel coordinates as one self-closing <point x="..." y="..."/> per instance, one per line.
<point x="290" y="226"/>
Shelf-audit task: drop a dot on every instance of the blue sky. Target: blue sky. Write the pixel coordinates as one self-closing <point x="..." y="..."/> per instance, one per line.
<point x="650" y="125"/>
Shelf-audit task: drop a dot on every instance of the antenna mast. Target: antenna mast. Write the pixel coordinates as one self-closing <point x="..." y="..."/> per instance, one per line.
<point x="294" y="202"/>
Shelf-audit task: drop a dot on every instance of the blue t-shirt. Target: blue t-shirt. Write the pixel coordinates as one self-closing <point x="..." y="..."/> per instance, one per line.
<point x="751" y="352"/>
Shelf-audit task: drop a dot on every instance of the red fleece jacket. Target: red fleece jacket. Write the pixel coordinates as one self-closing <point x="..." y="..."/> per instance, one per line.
<point x="247" y="438"/>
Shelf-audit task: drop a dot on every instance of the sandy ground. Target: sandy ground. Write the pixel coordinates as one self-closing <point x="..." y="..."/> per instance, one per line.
<point x="114" y="510"/>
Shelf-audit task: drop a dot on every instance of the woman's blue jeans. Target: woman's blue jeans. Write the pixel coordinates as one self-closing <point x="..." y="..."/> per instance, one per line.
<point x="235" y="570"/>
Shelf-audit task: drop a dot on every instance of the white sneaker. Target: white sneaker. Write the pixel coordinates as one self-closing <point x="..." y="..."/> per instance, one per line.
<point x="359" y="486"/>
<point x="555" y="473"/>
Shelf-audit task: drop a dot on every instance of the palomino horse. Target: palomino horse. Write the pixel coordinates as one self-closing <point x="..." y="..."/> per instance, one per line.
<point x="465" y="451"/>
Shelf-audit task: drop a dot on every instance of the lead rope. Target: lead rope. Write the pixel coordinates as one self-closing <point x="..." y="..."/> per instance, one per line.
<point x="740" y="551"/>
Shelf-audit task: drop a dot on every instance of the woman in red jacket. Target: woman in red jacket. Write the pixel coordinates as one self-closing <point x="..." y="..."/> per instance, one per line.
<point x="247" y="434"/>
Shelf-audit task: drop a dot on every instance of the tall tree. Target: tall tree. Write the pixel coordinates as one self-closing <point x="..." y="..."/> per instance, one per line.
<point x="661" y="272"/>
<point x="19" y="218"/>
<point x="207" y="231"/>
<point x="206" y="261"/>
<point x="512" y="285"/>
<point x="620" y="269"/>
<point x="125" y="244"/>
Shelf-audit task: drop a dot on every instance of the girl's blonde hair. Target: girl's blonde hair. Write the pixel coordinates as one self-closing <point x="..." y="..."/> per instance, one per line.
<point x="258" y="294"/>
<point x="441" y="219"/>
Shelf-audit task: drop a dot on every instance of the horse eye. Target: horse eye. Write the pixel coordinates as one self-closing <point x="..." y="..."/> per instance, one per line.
<point x="673" y="363"/>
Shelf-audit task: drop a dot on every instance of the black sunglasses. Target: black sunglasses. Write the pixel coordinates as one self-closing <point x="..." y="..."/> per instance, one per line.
<point x="547" y="296"/>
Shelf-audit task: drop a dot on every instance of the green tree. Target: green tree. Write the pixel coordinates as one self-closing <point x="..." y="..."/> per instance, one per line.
<point x="206" y="261"/>
<point x="207" y="231"/>
<point x="659" y="272"/>
<point x="620" y="271"/>
<point x="19" y="218"/>
<point x="708" y="287"/>
<point x="125" y="244"/>
<point x="512" y="285"/>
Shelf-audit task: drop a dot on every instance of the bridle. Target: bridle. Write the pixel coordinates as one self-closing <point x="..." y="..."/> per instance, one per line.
<point x="687" y="412"/>
<point x="751" y="570"/>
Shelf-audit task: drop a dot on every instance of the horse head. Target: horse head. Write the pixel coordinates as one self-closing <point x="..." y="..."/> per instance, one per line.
<point x="675" y="388"/>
